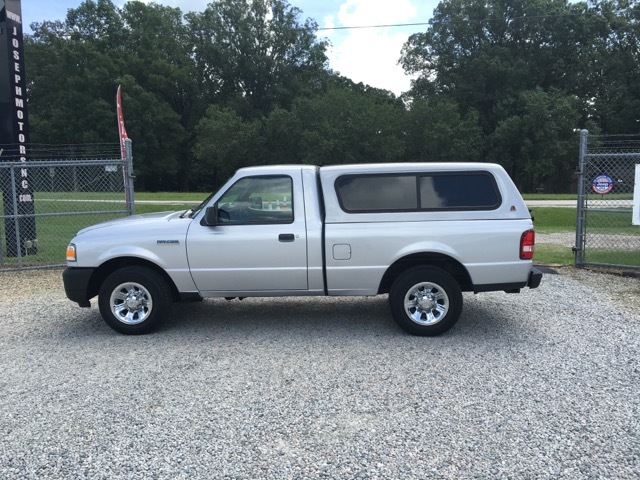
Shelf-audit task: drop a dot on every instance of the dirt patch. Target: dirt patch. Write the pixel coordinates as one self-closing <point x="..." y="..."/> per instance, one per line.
<point x="623" y="287"/>
<point x="563" y="238"/>
<point x="27" y="283"/>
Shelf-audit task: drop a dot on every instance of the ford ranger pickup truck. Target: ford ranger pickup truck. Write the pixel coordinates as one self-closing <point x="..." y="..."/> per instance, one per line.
<point x="422" y="233"/>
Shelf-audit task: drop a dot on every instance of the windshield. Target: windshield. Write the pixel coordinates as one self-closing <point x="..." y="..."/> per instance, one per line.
<point x="194" y="211"/>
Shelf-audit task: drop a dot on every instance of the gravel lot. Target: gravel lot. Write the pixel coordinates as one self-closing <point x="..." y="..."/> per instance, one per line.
<point x="545" y="384"/>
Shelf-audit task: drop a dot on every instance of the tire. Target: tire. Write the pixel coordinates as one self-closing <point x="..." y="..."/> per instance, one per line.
<point x="134" y="300"/>
<point x="425" y="301"/>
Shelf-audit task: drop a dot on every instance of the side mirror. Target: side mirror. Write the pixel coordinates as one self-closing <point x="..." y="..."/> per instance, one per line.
<point x="210" y="218"/>
<point x="213" y="217"/>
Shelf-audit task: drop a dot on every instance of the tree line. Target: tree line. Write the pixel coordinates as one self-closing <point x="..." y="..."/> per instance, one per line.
<point x="248" y="83"/>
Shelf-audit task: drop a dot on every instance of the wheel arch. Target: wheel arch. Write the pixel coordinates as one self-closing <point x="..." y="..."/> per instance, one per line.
<point x="442" y="261"/>
<point x="107" y="268"/>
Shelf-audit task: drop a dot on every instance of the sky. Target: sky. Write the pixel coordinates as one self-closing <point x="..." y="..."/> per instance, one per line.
<point x="367" y="55"/>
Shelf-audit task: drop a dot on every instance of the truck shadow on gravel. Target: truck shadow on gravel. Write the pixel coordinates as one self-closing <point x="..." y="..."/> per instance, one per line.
<point x="481" y="320"/>
<point x="303" y="315"/>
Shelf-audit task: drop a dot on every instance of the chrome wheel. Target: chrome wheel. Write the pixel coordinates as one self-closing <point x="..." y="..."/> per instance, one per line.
<point x="135" y="300"/>
<point x="425" y="300"/>
<point x="426" y="303"/>
<point x="131" y="303"/>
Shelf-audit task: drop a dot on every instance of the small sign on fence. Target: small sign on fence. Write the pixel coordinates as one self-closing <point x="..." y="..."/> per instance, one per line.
<point x="602" y="184"/>
<point x="636" y="198"/>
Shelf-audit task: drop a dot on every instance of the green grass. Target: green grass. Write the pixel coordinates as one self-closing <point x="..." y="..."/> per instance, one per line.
<point x="48" y="196"/>
<point x="152" y="208"/>
<point x="559" y="220"/>
<point x="549" y="196"/>
<point x="613" y="257"/>
<point x="553" y="219"/>
<point x="54" y="232"/>
<point x="173" y="196"/>
<point x="550" y="253"/>
<point x="611" y="223"/>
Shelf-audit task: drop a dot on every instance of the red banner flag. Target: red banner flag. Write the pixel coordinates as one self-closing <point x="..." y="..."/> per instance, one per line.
<point x="122" y="132"/>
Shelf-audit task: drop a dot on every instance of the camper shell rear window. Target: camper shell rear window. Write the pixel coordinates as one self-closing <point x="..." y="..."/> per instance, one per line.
<point x="416" y="192"/>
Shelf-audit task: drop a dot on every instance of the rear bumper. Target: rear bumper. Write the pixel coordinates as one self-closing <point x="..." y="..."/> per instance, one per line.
<point x="76" y="284"/>
<point x="535" y="277"/>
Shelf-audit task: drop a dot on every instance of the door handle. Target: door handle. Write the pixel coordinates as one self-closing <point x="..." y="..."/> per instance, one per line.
<point x="286" y="237"/>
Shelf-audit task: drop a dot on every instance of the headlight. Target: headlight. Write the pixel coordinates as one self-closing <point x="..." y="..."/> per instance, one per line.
<point x="71" y="253"/>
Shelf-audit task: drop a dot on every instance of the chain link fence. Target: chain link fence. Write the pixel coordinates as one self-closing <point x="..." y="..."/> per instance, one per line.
<point x="605" y="234"/>
<point x="67" y="195"/>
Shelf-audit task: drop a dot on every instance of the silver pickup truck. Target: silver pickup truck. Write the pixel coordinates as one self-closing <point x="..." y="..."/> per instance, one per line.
<point x="421" y="232"/>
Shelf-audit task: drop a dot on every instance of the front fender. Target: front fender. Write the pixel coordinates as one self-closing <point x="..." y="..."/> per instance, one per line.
<point x="132" y="251"/>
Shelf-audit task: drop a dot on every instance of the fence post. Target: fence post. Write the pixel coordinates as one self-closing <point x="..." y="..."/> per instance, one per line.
<point x="578" y="249"/>
<point x="129" y="177"/>
<point x="16" y="218"/>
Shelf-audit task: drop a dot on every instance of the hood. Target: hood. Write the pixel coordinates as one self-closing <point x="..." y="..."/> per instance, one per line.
<point x="137" y="222"/>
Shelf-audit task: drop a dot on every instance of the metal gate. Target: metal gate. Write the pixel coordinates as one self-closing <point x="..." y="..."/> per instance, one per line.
<point x="68" y="195"/>
<point x="605" y="234"/>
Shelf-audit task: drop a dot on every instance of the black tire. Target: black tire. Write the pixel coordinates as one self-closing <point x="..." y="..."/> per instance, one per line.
<point x="134" y="300"/>
<point x="425" y="301"/>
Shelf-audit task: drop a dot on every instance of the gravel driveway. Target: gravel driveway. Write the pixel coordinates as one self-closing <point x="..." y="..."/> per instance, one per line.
<point x="545" y="384"/>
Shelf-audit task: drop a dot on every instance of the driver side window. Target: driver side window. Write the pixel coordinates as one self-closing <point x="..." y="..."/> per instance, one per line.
<point x="257" y="200"/>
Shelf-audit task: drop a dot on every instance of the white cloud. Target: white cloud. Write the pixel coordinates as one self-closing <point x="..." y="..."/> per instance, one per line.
<point x="376" y="11"/>
<point x="370" y="55"/>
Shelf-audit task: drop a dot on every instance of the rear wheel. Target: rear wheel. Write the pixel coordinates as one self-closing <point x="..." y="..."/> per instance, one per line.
<point x="425" y="301"/>
<point x="134" y="300"/>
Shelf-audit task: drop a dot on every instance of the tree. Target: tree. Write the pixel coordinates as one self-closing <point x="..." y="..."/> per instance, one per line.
<point x="437" y="132"/>
<point x="162" y="76"/>
<point x="610" y="65"/>
<point x="68" y="94"/>
<point x="479" y="52"/>
<point x="225" y="143"/>
<point x="158" y="133"/>
<point x="535" y="141"/>
<point x="76" y="66"/>
<point x="345" y="125"/>
<point x="255" y="55"/>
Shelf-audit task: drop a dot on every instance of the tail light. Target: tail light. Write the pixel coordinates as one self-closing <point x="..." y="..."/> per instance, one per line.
<point x="527" y="243"/>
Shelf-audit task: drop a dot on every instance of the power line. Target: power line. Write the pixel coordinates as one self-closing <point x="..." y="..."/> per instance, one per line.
<point x="376" y="26"/>
<point x="466" y="20"/>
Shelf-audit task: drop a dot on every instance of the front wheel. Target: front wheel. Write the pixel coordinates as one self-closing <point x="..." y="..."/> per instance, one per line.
<point x="425" y="301"/>
<point x="134" y="300"/>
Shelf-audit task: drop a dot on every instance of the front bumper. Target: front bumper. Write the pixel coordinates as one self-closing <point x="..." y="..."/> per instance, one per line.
<point x="76" y="284"/>
<point x="535" y="277"/>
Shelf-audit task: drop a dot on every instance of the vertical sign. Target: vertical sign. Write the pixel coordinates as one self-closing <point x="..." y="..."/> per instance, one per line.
<point x="126" y="171"/>
<point x="636" y="198"/>
<point x="14" y="133"/>
<point x="122" y="132"/>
